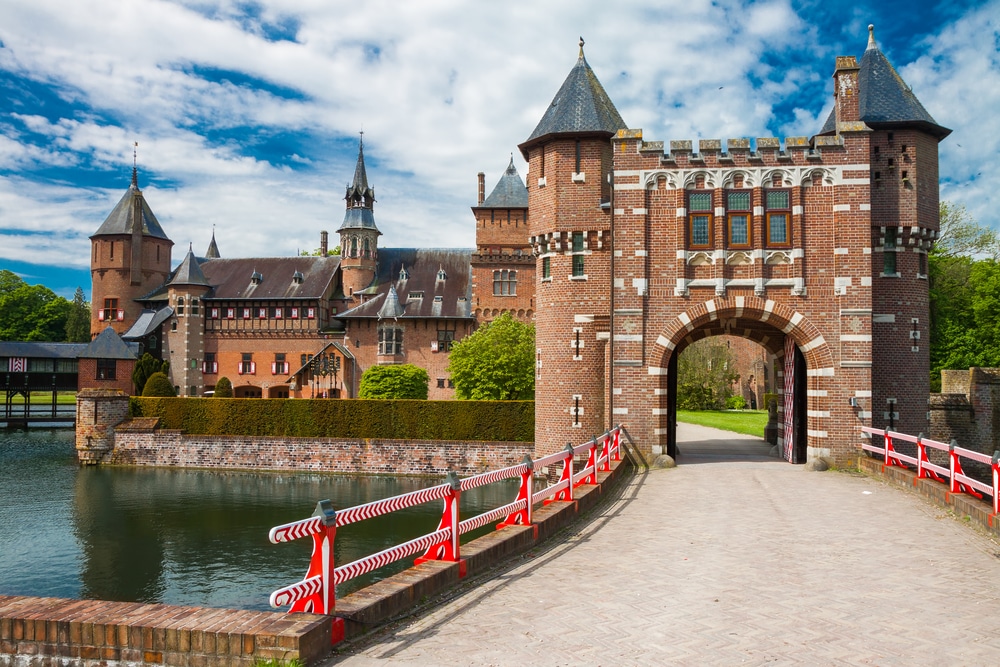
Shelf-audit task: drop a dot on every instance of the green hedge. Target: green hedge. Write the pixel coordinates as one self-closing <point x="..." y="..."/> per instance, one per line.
<point x="324" y="418"/>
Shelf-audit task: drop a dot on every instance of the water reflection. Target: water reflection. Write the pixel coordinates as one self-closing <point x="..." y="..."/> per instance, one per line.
<point x="193" y="537"/>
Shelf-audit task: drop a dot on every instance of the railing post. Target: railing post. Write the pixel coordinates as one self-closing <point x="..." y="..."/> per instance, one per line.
<point x="996" y="482"/>
<point x="888" y="447"/>
<point x="567" y="474"/>
<point x="921" y="456"/>
<point x="522" y="517"/>
<point x="606" y="452"/>
<point x="321" y="564"/>
<point x="953" y="465"/>
<point x="591" y="478"/>
<point x="618" y="443"/>
<point x="448" y="550"/>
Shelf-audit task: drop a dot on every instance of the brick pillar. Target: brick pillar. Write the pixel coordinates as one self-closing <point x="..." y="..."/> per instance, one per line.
<point x="97" y="412"/>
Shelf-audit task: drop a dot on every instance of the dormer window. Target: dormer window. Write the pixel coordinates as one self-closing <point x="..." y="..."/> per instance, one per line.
<point x="442" y="275"/>
<point x="256" y="278"/>
<point x="403" y="275"/>
<point x="415" y="296"/>
<point x="297" y="277"/>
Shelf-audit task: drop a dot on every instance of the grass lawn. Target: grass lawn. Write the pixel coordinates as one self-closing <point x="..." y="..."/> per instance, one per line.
<point x="45" y="398"/>
<point x="748" y="422"/>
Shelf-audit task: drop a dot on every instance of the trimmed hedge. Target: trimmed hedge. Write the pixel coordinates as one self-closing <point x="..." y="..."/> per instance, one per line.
<point x="512" y="421"/>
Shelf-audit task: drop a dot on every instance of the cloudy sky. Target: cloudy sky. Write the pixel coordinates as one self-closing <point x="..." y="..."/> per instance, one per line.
<point x="247" y="113"/>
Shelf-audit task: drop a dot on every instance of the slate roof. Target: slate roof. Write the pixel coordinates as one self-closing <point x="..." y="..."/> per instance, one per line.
<point x="39" y="350"/>
<point x="360" y="197"/>
<point x="230" y="278"/>
<point x="510" y="191"/>
<point x="189" y="272"/>
<point x="147" y="322"/>
<point x="213" y="248"/>
<point x="108" y="345"/>
<point x="580" y="107"/>
<point x="884" y="99"/>
<point x="120" y="220"/>
<point x="421" y="293"/>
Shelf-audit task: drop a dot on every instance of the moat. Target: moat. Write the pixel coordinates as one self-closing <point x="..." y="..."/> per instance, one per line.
<point x="186" y="537"/>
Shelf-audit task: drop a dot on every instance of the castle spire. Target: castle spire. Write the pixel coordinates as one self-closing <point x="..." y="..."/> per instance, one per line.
<point x="871" y="37"/>
<point x="213" y="248"/>
<point x="581" y="47"/>
<point x="135" y="169"/>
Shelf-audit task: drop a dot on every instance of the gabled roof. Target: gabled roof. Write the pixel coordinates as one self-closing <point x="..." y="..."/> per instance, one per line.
<point x="147" y="322"/>
<point x="437" y="283"/>
<point x="120" y="220"/>
<point x="189" y="272"/>
<point x="510" y="191"/>
<point x="231" y="278"/>
<point x="108" y="345"/>
<point x="580" y="107"/>
<point x="884" y="99"/>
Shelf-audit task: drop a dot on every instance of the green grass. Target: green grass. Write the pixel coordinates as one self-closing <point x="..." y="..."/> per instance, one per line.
<point x="45" y="398"/>
<point x="748" y="422"/>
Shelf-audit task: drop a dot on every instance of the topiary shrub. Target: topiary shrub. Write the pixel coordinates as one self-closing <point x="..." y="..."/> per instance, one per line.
<point x="223" y="388"/>
<point x="403" y="381"/>
<point x="736" y="403"/>
<point x="158" y="384"/>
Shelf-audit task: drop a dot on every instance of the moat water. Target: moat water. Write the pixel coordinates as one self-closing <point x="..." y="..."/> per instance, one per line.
<point x="186" y="537"/>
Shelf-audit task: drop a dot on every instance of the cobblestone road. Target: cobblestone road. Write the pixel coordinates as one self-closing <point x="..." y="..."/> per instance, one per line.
<point x="731" y="558"/>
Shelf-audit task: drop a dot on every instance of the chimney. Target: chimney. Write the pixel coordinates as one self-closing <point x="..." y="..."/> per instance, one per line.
<point x="845" y="91"/>
<point x="482" y="188"/>
<point x="324" y="243"/>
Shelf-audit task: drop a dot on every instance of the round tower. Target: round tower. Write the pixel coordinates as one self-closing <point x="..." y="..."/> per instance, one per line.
<point x="130" y="257"/>
<point x="569" y="158"/>
<point x="186" y="342"/>
<point x="358" y="234"/>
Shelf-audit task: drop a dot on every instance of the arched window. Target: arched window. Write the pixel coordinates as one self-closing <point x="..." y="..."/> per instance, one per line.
<point x="354" y="246"/>
<point x="367" y="252"/>
<point x="194" y="306"/>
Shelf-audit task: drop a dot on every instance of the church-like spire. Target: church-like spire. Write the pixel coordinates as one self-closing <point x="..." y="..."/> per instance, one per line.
<point x="189" y="272"/>
<point x="213" y="248"/>
<point x="135" y="168"/>
<point x="360" y="197"/>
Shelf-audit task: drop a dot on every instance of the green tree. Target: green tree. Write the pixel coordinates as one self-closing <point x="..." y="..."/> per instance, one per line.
<point x="158" y="384"/>
<point x="403" y="381"/>
<point x="30" y="312"/>
<point x="496" y="362"/>
<point x="78" y="320"/>
<point x="963" y="276"/>
<point x="145" y="368"/>
<point x="223" y="388"/>
<point x="705" y="375"/>
<point x="317" y="252"/>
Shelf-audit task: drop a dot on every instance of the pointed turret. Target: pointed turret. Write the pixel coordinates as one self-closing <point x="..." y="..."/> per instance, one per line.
<point x="509" y="191"/>
<point x="213" y="248"/>
<point x="885" y="102"/>
<point x="358" y="234"/>
<point x="391" y="308"/>
<point x="580" y="108"/>
<point x="189" y="272"/>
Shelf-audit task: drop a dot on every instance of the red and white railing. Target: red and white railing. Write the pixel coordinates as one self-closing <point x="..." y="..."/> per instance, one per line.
<point x="316" y="593"/>
<point x="953" y="475"/>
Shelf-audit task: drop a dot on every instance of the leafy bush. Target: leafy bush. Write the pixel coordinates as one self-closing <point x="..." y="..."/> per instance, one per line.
<point x="144" y="369"/>
<point x="158" y="384"/>
<point x="223" y="388"/>
<point x="511" y="421"/>
<point x="394" y="382"/>
<point x="496" y="363"/>
<point x="736" y="403"/>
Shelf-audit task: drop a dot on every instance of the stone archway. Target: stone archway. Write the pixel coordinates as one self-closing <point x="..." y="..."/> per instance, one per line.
<point x="768" y="323"/>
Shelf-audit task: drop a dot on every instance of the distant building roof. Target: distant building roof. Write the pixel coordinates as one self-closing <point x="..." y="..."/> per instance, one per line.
<point x="884" y="99"/>
<point x="436" y="283"/>
<point x="509" y="192"/>
<point x="120" y="220"/>
<point x="232" y="278"/>
<point x="108" y="345"/>
<point x="580" y="107"/>
<point x="38" y="350"/>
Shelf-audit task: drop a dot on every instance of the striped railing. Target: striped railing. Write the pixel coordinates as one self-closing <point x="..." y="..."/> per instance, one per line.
<point x="954" y="476"/>
<point x="316" y="592"/>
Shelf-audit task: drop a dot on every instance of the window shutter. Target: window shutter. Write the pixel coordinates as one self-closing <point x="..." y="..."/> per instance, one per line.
<point x="121" y="315"/>
<point x="100" y="316"/>
<point x="253" y="368"/>
<point x="239" y="368"/>
<point x="274" y="368"/>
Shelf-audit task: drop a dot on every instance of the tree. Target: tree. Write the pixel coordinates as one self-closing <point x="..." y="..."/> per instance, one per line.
<point x="145" y="368"/>
<point x="496" y="362"/>
<point x="388" y="382"/>
<point x="30" y="312"/>
<point x="78" y="319"/>
<point x="223" y="388"/>
<point x="318" y="252"/>
<point x="158" y="385"/>
<point x="705" y="375"/>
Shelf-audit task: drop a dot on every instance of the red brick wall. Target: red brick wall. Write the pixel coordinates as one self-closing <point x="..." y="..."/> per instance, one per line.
<point x="87" y="370"/>
<point x="110" y="277"/>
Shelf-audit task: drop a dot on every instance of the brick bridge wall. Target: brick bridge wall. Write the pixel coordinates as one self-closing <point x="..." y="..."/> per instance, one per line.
<point x="968" y="409"/>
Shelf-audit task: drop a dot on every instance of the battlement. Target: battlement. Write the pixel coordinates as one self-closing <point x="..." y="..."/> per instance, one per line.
<point x="750" y="149"/>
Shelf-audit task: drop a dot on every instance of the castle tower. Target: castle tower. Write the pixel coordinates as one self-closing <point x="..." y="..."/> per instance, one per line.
<point x="358" y="234"/>
<point x="903" y="158"/>
<point x="186" y="342"/>
<point x="130" y="256"/>
<point x="503" y="269"/>
<point x="570" y="158"/>
<point x="213" y="248"/>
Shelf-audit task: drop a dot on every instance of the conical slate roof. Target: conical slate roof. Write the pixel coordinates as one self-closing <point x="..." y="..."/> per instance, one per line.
<point x="213" y="248"/>
<point x="120" y="220"/>
<point x="510" y="191"/>
<point x="189" y="272"/>
<point x="580" y="107"/>
<point x="360" y="197"/>
<point x="391" y="307"/>
<point x="108" y="345"/>
<point x="884" y="99"/>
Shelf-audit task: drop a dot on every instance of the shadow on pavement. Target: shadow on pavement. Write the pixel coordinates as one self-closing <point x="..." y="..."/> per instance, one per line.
<point x="724" y="450"/>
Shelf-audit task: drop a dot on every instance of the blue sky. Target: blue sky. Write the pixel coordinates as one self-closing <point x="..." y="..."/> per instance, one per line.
<point x="247" y="113"/>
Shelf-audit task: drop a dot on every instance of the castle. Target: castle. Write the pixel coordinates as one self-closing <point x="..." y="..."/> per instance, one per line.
<point x="622" y="251"/>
